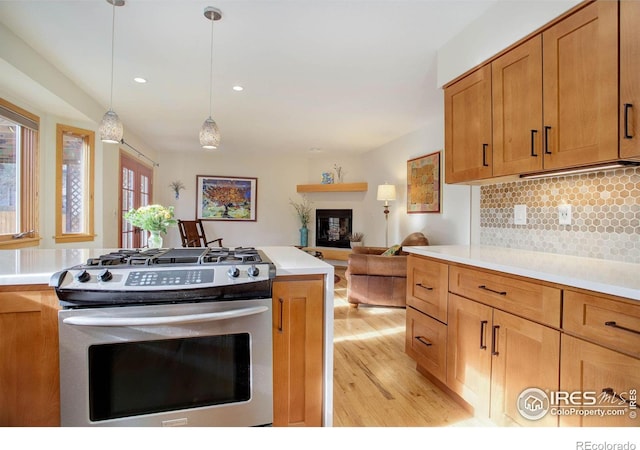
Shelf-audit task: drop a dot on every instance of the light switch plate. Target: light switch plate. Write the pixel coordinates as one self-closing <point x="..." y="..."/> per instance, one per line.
<point x="520" y="214"/>
<point x="564" y="214"/>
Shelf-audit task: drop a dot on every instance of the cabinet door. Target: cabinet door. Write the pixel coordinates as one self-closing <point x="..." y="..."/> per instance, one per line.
<point x="427" y="284"/>
<point x="526" y="355"/>
<point x="426" y="343"/>
<point x="580" y="80"/>
<point x="587" y="367"/>
<point x="297" y="352"/>
<point x="467" y="123"/>
<point x="469" y="352"/>
<point x="629" y="79"/>
<point x="517" y="109"/>
<point x="29" y="364"/>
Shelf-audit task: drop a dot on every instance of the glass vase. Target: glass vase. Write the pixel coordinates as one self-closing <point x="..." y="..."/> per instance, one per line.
<point x="154" y="240"/>
<point x="304" y="237"/>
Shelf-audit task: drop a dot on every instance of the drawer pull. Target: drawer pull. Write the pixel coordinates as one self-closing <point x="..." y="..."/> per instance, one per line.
<point x="483" y="325"/>
<point x="611" y="392"/>
<point x="422" y="340"/>
<point x="620" y="327"/>
<point x="281" y="324"/>
<point x="424" y="287"/>
<point x="494" y="340"/>
<point x="492" y="290"/>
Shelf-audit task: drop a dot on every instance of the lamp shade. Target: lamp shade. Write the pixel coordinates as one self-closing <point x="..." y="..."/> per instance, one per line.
<point x="209" y="134"/>
<point x="386" y="192"/>
<point x="111" y="129"/>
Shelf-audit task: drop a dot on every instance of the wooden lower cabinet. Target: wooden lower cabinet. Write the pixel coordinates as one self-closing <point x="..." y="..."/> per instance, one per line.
<point x="29" y="377"/>
<point x="493" y="356"/>
<point x="426" y="343"/>
<point x="298" y="324"/>
<point x="587" y="367"/>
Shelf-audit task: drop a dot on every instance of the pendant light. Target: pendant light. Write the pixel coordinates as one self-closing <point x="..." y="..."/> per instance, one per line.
<point x="209" y="133"/>
<point x="111" y="129"/>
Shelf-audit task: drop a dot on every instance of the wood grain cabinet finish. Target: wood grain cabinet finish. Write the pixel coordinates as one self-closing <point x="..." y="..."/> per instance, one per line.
<point x="587" y="367"/>
<point x="427" y="285"/>
<point x="298" y="326"/>
<point x="426" y="343"/>
<point x="611" y="323"/>
<point x="526" y="298"/>
<point x="629" y="79"/>
<point x="29" y="364"/>
<point x="467" y="134"/>
<point x="580" y="79"/>
<point x="493" y="356"/>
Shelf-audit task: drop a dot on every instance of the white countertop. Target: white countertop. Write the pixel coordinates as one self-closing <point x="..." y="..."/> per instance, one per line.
<point x="608" y="277"/>
<point x="35" y="266"/>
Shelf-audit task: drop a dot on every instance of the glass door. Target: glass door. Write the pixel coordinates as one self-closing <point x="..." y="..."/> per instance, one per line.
<point x="136" y="181"/>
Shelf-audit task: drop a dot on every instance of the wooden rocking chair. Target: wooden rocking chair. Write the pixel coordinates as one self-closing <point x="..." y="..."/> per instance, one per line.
<point x="192" y="234"/>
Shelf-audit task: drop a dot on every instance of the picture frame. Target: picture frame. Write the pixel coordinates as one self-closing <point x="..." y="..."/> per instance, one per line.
<point x="226" y="198"/>
<point x="423" y="184"/>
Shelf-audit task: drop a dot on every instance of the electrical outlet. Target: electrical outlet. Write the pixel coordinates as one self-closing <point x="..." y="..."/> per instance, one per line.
<point x="520" y="214"/>
<point x="564" y="214"/>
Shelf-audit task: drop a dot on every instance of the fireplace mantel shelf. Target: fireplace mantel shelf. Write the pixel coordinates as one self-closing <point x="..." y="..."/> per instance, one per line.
<point x="334" y="187"/>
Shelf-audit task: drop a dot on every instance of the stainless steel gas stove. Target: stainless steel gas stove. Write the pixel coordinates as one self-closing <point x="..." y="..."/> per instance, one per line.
<point x="167" y="337"/>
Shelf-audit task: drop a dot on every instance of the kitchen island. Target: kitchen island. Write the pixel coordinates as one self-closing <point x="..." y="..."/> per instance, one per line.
<point x="24" y="278"/>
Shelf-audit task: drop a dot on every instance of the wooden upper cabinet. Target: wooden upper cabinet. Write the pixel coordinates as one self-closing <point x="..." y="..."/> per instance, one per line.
<point x="467" y="139"/>
<point x="517" y="109"/>
<point x="580" y="79"/>
<point x="629" y="79"/>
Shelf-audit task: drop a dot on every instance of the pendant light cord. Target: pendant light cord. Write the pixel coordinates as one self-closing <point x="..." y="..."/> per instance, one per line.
<point x="211" y="70"/>
<point x="113" y="31"/>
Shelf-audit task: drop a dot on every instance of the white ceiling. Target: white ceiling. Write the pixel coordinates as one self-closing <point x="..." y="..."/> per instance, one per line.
<point x="338" y="75"/>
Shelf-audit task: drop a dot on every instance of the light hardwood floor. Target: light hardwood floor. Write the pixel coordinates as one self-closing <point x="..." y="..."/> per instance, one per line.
<point x="375" y="383"/>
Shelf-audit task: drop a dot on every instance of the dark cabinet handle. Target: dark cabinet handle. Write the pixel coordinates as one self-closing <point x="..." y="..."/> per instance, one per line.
<point x="424" y="287"/>
<point x="533" y="143"/>
<point x="492" y="290"/>
<point x="546" y="140"/>
<point x="627" y="107"/>
<point x="484" y="155"/>
<point x="611" y="392"/>
<point x="620" y="327"/>
<point x="494" y="340"/>
<point x="422" y="340"/>
<point x="483" y="325"/>
<point x="280" y="325"/>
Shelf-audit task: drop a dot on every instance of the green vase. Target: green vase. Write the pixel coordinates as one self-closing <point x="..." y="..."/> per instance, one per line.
<point x="304" y="237"/>
<point x="154" y="240"/>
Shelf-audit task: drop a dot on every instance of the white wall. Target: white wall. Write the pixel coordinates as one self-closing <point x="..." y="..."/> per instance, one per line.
<point x="504" y="23"/>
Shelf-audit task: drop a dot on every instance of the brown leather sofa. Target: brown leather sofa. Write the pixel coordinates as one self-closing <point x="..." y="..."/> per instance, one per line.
<point x="373" y="279"/>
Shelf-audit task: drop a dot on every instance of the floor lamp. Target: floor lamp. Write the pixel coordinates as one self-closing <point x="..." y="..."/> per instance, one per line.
<point x="386" y="193"/>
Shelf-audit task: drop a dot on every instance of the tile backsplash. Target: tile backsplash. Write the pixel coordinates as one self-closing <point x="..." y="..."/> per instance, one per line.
<point x="605" y="210"/>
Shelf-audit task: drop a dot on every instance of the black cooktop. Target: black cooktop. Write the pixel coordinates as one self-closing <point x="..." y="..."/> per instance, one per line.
<point x="177" y="256"/>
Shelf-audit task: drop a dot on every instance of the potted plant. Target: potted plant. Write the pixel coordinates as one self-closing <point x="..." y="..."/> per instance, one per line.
<point x="152" y="218"/>
<point x="356" y="239"/>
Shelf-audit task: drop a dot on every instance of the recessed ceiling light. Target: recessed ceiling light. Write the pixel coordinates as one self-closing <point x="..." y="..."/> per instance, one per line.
<point x="315" y="150"/>
<point x="140" y="80"/>
<point x="238" y="88"/>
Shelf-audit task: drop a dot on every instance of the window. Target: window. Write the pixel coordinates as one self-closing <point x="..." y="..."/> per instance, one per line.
<point x="136" y="187"/>
<point x="19" y="225"/>
<point x="74" y="184"/>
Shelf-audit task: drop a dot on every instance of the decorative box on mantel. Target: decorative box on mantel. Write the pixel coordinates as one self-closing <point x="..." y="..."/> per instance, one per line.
<point x="333" y="187"/>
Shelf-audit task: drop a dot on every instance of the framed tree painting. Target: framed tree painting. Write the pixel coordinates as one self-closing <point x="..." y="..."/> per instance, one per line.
<point x="423" y="184"/>
<point x="226" y="198"/>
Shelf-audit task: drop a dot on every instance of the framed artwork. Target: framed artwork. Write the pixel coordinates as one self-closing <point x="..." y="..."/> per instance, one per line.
<point x="423" y="184"/>
<point x="226" y="198"/>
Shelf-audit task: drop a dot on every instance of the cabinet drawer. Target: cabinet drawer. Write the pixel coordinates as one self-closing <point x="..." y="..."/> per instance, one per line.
<point x="426" y="342"/>
<point x="527" y="299"/>
<point x="608" y="322"/>
<point x="427" y="283"/>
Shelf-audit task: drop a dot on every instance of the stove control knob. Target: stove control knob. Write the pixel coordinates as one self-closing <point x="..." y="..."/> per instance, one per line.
<point x="83" y="276"/>
<point x="104" y="275"/>
<point x="253" y="271"/>
<point x="233" y="272"/>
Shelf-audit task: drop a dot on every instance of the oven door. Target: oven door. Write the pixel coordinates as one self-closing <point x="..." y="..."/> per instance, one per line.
<point x="192" y="364"/>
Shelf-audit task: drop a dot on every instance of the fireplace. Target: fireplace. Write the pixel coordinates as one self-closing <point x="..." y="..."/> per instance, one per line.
<point x="333" y="227"/>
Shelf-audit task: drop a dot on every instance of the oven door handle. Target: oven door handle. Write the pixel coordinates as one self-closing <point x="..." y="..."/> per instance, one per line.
<point x="162" y="320"/>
